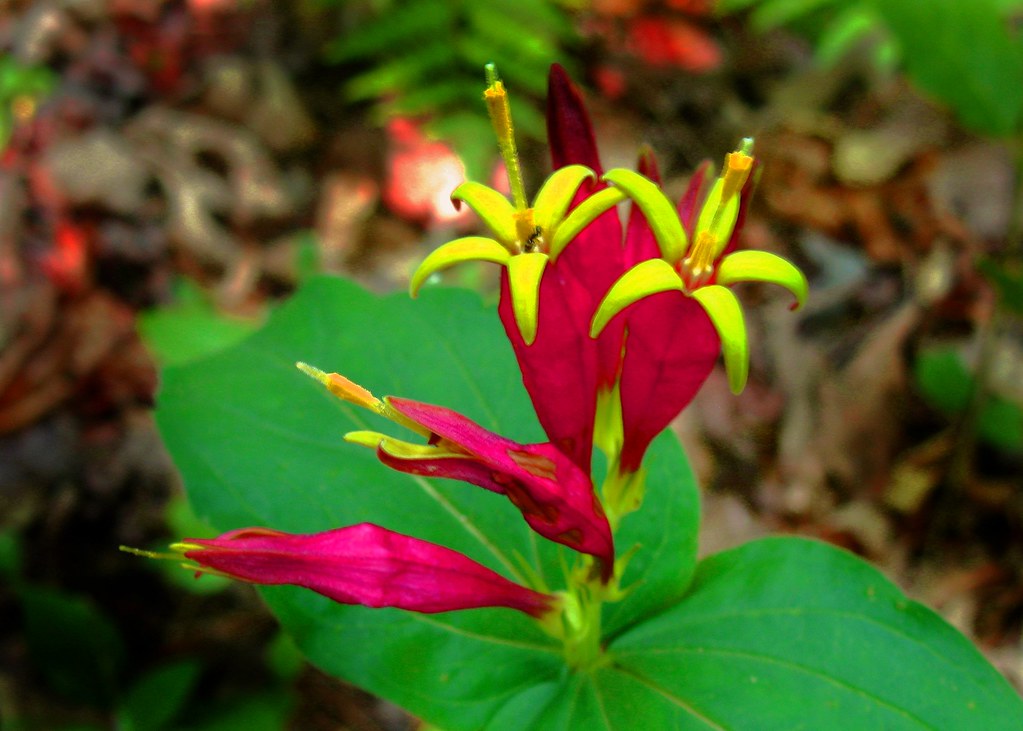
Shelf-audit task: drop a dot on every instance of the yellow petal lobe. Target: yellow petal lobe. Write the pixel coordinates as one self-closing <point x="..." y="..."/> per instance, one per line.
<point x="659" y="211"/>
<point x="724" y="311"/>
<point x="371" y="439"/>
<point x="763" y="266"/>
<point x="582" y="216"/>
<point x="470" y="248"/>
<point x="492" y="207"/>
<point x="524" y="273"/>
<point x="556" y="195"/>
<point x="646" y="278"/>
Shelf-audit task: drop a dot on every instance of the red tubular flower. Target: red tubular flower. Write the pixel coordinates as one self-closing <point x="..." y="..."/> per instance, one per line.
<point x="672" y="345"/>
<point x="560" y="255"/>
<point x="363" y="564"/>
<point x="584" y="271"/>
<point x="554" y="495"/>
<point x="680" y="314"/>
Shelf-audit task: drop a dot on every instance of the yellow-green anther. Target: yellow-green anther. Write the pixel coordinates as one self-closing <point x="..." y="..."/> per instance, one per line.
<point x="718" y="217"/>
<point x="343" y="388"/>
<point x="721" y="209"/>
<point x="582" y="216"/>
<point x="493" y="209"/>
<point x="500" y="118"/>
<point x="470" y="248"/>
<point x="646" y="278"/>
<point x="348" y="390"/>
<point x="724" y="311"/>
<point x="658" y="210"/>
<point x="556" y="195"/>
<point x="524" y="273"/>
<point x="738" y="166"/>
<point x="762" y="266"/>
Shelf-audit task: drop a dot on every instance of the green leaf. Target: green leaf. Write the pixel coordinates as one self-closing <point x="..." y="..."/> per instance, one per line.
<point x="965" y="54"/>
<point x="73" y="644"/>
<point x="190" y="328"/>
<point x="424" y="58"/>
<point x="1007" y="279"/>
<point x="402" y="72"/>
<point x="849" y="27"/>
<point x="1001" y="424"/>
<point x="947" y="384"/>
<point x="786" y="633"/>
<point x="267" y="711"/>
<point x="158" y="696"/>
<point x="258" y="443"/>
<point x="408" y="26"/>
<point x="284" y="658"/>
<point x="10" y="555"/>
<point x="781" y="12"/>
<point x="943" y="379"/>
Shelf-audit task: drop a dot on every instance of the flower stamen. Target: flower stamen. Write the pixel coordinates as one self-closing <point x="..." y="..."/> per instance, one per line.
<point x="699" y="265"/>
<point x="526" y="230"/>
<point x="738" y="166"/>
<point x="499" y="110"/>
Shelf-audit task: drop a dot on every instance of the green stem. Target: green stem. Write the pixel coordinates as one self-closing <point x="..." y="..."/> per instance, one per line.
<point x="583" y="650"/>
<point x="1014" y="236"/>
<point x="960" y="466"/>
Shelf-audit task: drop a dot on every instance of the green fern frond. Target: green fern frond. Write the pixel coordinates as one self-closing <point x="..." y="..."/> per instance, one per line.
<point x="425" y="58"/>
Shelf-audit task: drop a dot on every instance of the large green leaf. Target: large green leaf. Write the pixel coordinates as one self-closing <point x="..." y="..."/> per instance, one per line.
<point x="781" y="634"/>
<point x="259" y="443"/>
<point x="778" y="634"/>
<point x="786" y="633"/>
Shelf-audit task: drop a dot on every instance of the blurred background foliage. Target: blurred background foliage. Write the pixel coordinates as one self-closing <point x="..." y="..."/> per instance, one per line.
<point x="172" y="168"/>
<point x="967" y="55"/>
<point x="422" y="58"/>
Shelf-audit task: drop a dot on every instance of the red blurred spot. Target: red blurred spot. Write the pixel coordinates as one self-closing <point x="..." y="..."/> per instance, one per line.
<point x="610" y="80"/>
<point x="66" y="263"/>
<point x="673" y="42"/>
<point x="421" y="174"/>
<point x="210" y="6"/>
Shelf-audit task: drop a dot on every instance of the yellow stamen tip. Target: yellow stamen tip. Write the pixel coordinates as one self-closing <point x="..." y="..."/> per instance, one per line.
<point x="737" y="169"/>
<point x="495" y="92"/>
<point x="499" y="110"/>
<point x="341" y="387"/>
